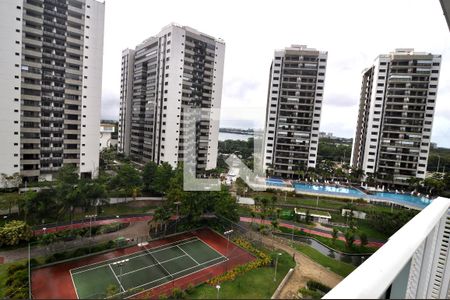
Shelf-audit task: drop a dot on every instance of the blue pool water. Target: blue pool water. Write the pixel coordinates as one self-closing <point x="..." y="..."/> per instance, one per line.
<point x="337" y="190"/>
<point x="275" y="182"/>
<point x="403" y="199"/>
<point x="273" y="179"/>
<point x="407" y="199"/>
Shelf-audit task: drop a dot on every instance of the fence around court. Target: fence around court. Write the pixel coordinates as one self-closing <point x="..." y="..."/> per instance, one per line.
<point x="70" y="250"/>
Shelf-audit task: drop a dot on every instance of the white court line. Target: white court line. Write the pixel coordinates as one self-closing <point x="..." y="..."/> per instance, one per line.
<point x="74" y="286"/>
<point x="140" y="269"/>
<point x="188" y="255"/>
<point x="156" y="286"/>
<point x="114" y="273"/>
<point x="144" y="253"/>
<point x="191" y="239"/>
<point x="136" y="287"/>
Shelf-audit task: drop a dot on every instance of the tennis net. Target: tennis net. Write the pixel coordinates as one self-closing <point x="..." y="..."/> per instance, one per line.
<point x="161" y="267"/>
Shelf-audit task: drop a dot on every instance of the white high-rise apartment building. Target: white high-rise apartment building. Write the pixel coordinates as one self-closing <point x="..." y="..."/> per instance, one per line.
<point x="294" y="106"/>
<point x="178" y="68"/>
<point x="397" y="102"/>
<point x="51" y="54"/>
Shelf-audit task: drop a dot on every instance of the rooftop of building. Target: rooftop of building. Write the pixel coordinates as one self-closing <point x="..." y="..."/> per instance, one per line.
<point x="171" y="25"/>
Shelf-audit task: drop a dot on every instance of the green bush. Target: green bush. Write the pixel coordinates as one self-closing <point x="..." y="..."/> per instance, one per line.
<point x="309" y="294"/>
<point x="14" y="268"/>
<point x="315" y="285"/>
<point x="178" y="294"/>
<point x="190" y="289"/>
<point x="14" y="232"/>
<point x="80" y="252"/>
<point x="17" y="282"/>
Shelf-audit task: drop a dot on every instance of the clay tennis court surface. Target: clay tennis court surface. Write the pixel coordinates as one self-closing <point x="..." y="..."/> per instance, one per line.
<point x="156" y="268"/>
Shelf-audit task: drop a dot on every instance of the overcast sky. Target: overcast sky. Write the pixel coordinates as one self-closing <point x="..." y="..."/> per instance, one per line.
<point x="353" y="33"/>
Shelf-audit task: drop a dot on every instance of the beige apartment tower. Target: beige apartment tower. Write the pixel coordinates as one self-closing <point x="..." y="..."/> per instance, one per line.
<point x="294" y="106"/>
<point x="162" y="78"/>
<point x="50" y="77"/>
<point x="395" y="118"/>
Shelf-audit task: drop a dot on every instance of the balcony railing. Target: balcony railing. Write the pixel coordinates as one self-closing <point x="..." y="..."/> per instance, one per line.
<point x="413" y="264"/>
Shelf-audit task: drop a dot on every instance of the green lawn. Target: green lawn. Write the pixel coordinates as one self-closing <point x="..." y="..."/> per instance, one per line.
<point x="365" y="227"/>
<point x="337" y="217"/>
<point x="3" y="274"/>
<point x="337" y="245"/>
<point x="325" y="202"/>
<point x="260" y="280"/>
<point x="336" y="266"/>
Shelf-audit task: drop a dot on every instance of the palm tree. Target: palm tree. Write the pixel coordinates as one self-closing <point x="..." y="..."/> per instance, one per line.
<point x="275" y="224"/>
<point x="414" y="182"/>
<point x="334" y="234"/>
<point x="358" y="173"/>
<point x="253" y="215"/>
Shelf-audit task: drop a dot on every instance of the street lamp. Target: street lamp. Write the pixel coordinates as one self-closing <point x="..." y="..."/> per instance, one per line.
<point x="276" y="265"/>
<point x="439" y="161"/>
<point x="176" y="221"/>
<point x="118" y="224"/>
<point x="90" y="229"/>
<point x="218" y="289"/>
<point x="90" y="223"/>
<point x="227" y="234"/>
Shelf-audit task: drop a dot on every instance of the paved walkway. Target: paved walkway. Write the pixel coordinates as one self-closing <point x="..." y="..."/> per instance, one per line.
<point x="318" y="232"/>
<point x="135" y="229"/>
<point x="85" y="224"/>
<point x="306" y="269"/>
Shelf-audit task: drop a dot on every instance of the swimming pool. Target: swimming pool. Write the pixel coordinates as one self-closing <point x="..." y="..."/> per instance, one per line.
<point x="276" y="182"/>
<point x="401" y="199"/>
<point x="334" y="190"/>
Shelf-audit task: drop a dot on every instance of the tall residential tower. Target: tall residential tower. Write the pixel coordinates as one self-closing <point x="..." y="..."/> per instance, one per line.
<point x="294" y="103"/>
<point x="397" y="102"/>
<point x="50" y="80"/>
<point x="179" y="68"/>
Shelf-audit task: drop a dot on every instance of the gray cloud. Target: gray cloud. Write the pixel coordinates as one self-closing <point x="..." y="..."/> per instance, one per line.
<point x="110" y="107"/>
<point x="239" y="88"/>
<point x="352" y="38"/>
<point x="342" y="100"/>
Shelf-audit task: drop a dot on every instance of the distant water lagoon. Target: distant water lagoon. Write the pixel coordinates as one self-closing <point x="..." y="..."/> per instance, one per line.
<point x="223" y="136"/>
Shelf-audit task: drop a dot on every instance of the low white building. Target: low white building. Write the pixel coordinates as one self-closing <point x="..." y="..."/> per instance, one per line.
<point x="106" y="136"/>
<point x="317" y="216"/>
<point x="356" y="214"/>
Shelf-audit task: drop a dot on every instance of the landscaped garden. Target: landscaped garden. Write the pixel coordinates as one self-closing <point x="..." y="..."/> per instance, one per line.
<point x="257" y="283"/>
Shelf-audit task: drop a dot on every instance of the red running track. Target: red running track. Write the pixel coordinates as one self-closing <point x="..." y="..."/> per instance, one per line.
<point x="55" y="282"/>
<point x="307" y="230"/>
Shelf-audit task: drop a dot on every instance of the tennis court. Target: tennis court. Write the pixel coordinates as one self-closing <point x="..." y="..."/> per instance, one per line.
<point x="146" y="269"/>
